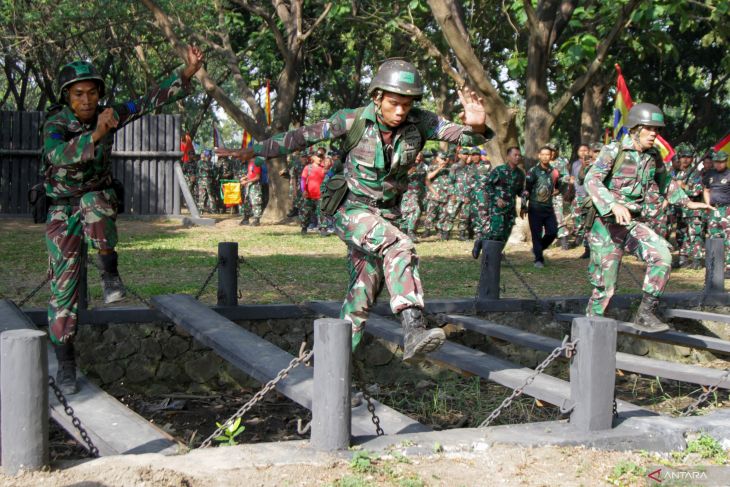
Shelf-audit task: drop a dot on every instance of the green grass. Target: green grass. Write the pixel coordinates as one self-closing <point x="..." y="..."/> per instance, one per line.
<point x="161" y="256"/>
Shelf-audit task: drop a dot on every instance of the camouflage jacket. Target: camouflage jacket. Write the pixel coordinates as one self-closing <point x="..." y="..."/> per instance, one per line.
<point x="417" y="180"/>
<point x="540" y="185"/>
<point x="366" y="167"/>
<point x="479" y="176"/>
<point x="505" y="183"/>
<point x="692" y="179"/>
<point x="72" y="163"/>
<point x="636" y="184"/>
<point x="440" y="184"/>
<point x="460" y="173"/>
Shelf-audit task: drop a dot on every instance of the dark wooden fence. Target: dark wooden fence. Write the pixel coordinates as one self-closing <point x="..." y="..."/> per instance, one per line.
<point x="142" y="158"/>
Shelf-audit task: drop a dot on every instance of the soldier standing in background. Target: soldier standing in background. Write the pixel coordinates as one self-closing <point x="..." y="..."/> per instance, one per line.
<point x="410" y="205"/>
<point x="76" y="166"/>
<point x="717" y="193"/>
<point x="577" y="175"/>
<point x="437" y="195"/>
<point x="561" y="165"/>
<point x="206" y="199"/>
<point x="690" y="223"/>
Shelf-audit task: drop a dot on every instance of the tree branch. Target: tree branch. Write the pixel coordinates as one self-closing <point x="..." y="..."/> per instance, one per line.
<point x="531" y="14"/>
<point x="320" y="19"/>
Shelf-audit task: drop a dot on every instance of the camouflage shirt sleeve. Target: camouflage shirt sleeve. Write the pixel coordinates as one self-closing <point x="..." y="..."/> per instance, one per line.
<point x="435" y="127"/>
<point x="169" y="90"/>
<point x="287" y="142"/>
<point x="61" y="152"/>
<point x="602" y="198"/>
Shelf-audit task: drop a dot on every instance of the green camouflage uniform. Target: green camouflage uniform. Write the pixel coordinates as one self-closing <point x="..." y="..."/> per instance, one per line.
<point x="76" y="167"/>
<point x="436" y="204"/>
<point x="561" y="164"/>
<point x="718" y="224"/>
<point x="505" y="183"/>
<point x="378" y="251"/>
<point x="458" y="197"/>
<point x="294" y="169"/>
<point x="635" y="185"/>
<point x="691" y="223"/>
<point x="189" y="171"/>
<point x="206" y="199"/>
<point x="410" y="206"/>
<point x="479" y="200"/>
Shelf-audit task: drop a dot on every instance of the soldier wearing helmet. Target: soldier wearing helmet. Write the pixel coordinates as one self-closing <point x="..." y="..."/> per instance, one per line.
<point x="76" y="164"/>
<point x="716" y="192"/>
<point x="381" y="141"/>
<point x="690" y="223"/>
<point x="625" y="178"/>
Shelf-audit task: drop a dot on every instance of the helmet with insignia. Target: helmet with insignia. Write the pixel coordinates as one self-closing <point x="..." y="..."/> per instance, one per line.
<point x="78" y="71"/>
<point x="685" y="150"/>
<point x="719" y="156"/>
<point x="645" y="114"/>
<point x="398" y="76"/>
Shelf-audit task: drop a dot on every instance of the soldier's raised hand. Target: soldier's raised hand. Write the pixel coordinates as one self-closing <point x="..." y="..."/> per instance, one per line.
<point x="105" y="122"/>
<point x="473" y="113"/>
<point x="193" y="62"/>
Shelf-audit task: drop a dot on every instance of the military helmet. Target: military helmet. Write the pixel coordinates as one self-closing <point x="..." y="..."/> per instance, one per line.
<point x="685" y="150"/>
<point x="552" y="145"/>
<point x="596" y="146"/>
<point x="397" y="76"/>
<point x="78" y="71"/>
<point x="645" y="114"/>
<point x="719" y="156"/>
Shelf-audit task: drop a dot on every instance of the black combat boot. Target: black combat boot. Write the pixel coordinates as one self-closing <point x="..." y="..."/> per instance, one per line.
<point x="646" y="319"/>
<point x="586" y="253"/>
<point x="66" y="373"/>
<point x="244" y="221"/>
<point x="696" y="264"/>
<point x="416" y="338"/>
<point x="444" y="235"/>
<point x="304" y="230"/>
<point x="111" y="283"/>
<point x="255" y="222"/>
<point x="462" y="236"/>
<point x="292" y="213"/>
<point x="564" y="243"/>
<point x="578" y="241"/>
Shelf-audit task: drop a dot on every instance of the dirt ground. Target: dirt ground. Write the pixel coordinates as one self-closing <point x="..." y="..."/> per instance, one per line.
<point x="498" y="465"/>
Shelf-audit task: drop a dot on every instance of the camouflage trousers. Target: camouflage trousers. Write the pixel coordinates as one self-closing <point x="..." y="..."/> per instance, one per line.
<point x="206" y="199"/>
<point x="410" y="209"/>
<point x="578" y="214"/>
<point x="718" y="225"/>
<point x="560" y="215"/>
<point x="656" y="219"/>
<point x="608" y="243"/>
<point x="435" y="215"/>
<point x="378" y="253"/>
<point x="455" y="208"/>
<point x="479" y="219"/>
<point x="295" y="194"/>
<point x="67" y="227"/>
<point x="252" y="201"/>
<point x="310" y="209"/>
<point x="691" y="225"/>
<point x="501" y="221"/>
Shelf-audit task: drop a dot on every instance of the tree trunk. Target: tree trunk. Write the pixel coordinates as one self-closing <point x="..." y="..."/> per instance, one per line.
<point x="594" y="99"/>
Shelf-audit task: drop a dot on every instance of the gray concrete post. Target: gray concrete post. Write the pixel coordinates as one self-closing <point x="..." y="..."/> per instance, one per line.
<point x="331" y="415"/>
<point x="714" y="265"/>
<point x="84" y="277"/>
<point x="227" y="273"/>
<point x="491" y="269"/>
<point x="23" y="400"/>
<point x="189" y="201"/>
<point x="593" y="373"/>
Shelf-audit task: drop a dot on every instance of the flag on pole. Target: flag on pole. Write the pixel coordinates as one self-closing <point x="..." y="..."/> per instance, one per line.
<point x="246" y="140"/>
<point x="217" y="139"/>
<point x="606" y="136"/>
<point x="268" y="102"/>
<point x="723" y="145"/>
<point x="621" y="108"/>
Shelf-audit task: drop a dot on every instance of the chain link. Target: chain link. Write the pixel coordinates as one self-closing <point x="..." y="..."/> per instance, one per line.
<point x="360" y="384"/>
<point x="703" y="397"/>
<point x="93" y="450"/>
<point x="207" y="280"/>
<point x="568" y="347"/>
<point x="34" y="291"/>
<point x="303" y="357"/>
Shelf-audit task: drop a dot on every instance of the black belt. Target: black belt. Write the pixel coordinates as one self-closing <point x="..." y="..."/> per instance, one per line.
<point x="371" y="202"/>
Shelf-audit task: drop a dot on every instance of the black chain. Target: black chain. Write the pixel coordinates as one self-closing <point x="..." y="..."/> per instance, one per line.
<point x="34" y="291"/>
<point x="93" y="450"/>
<point x="360" y="384"/>
<point x="207" y="280"/>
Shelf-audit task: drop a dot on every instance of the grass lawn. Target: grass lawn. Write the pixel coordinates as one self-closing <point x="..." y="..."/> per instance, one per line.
<point x="161" y="256"/>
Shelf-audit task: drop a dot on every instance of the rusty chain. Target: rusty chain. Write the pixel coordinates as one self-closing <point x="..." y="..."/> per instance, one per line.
<point x="567" y="346"/>
<point x="93" y="450"/>
<point x="34" y="291"/>
<point x="703" y="397"/>
<point x="303" y="358"/>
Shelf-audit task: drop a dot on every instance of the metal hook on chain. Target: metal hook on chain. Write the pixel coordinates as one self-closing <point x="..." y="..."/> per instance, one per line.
<point x="303" y="431"/>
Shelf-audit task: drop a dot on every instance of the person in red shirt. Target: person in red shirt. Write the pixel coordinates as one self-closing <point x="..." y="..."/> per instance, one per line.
<point x="252" y="193"/>
<point x="312" y="177"/>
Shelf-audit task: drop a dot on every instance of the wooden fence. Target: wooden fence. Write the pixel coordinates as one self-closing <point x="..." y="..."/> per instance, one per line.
<point x="142" y="158"/>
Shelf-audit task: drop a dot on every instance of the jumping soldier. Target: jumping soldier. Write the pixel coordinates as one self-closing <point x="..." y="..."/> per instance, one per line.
<point x="503" y="185"/>
<point x="627" y="176"/>
<point x="717" y="193"/>
<point x="390" y="133"/>
<point x="77" y="145"/>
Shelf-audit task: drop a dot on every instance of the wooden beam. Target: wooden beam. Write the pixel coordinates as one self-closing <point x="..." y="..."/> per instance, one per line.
<point x="262" y="360"/>
<point x="624" y="361"/>
<point x="697" y="315"/>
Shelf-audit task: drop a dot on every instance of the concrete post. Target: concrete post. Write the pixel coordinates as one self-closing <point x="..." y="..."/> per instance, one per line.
<point x="23" y="400"/>
<point x="491" y="269"/>
<point x="189" y="201"/>
<point x="714" y="265"/>
<point x="331" y="415"/>
<point x="84" y="277"/>
<point x="227" y="273"/>
<point x="593" y="373"/>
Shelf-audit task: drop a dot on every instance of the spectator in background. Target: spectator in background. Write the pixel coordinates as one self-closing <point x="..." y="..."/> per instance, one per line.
<point x="312" y="177"/>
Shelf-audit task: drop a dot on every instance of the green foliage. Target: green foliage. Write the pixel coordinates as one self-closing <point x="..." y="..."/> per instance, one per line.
<point x="230" y="431"/>
<point x="708" y="448"/>
<point x="362" y="462"/>
<point x="626" y="473"/>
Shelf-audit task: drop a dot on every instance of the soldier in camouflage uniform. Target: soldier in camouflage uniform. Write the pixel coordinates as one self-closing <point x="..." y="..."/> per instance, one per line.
<point x="189" y="171"/>
<point x="577" y="206"/>
<point x="253" y="204"/>
<point x="476" y="206"/>
<point x="690" y="223"/>
<point x="627" y="176"/>
<point x="437" y="194"/>
<point x="376" y="171"/>
<point x="561" y="164"/>
<point x="502" y="185"/>
<point x="716" y="192"/>
<point x="456" y="208"/>
<point x="293" y="172"/>
<point x="205" y="169"/>
<point x="76" y="155"/>
<point x="410" y="205"/>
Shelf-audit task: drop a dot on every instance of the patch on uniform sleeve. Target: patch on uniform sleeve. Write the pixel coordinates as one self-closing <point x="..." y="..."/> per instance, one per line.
<point x="57" y="136"/>
<point x="131" y="107"/>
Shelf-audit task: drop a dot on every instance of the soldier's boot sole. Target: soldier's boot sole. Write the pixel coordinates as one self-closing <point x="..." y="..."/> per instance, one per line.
<point x="650" y="327"/>
<point x="422" y="341"/>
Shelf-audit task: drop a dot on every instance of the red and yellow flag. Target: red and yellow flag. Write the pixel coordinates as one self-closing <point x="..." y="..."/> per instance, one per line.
<point x="665" y="149"/>
<point x="723" y="145"/>
<point x="268" y="102"/>
<point x="246" y="140"/>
